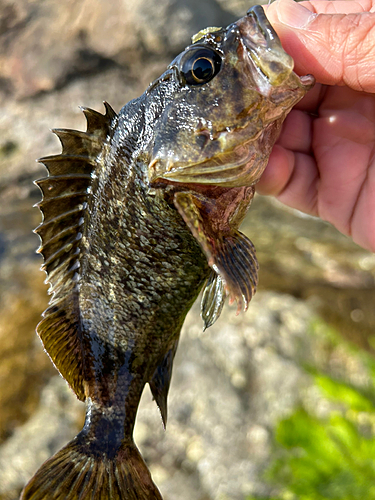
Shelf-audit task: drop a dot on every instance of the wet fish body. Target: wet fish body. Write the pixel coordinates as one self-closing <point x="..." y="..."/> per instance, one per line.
<point x="141" y="212"/>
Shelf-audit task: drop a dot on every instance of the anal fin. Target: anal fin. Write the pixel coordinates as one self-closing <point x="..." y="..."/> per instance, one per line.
<point x="160" y="382"/>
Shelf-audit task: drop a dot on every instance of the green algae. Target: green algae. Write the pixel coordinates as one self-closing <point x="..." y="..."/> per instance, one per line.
<point x="328" y="452"/>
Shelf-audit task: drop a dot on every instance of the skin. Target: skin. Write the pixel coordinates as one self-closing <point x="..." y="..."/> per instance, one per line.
<point x="324" y="162"/>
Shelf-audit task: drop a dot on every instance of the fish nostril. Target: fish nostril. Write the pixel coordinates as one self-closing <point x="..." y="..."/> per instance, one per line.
<point x="201" y="140"/>
<point x="202" y="136"/>
<point x="254" y="11"/>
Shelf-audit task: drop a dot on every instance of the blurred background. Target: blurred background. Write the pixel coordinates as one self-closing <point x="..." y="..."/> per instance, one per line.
<point x="277" y="403"/>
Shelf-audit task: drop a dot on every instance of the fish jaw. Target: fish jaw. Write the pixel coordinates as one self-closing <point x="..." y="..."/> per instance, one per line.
<point x="271" y="65"/>
<point x="264" y="48"/>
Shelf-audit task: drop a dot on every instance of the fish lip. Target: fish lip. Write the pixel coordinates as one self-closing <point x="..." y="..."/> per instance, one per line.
<point x="258" y="35"/>
<point x="272" y="66"/>
<point x="257" y="13"/>
<point x="222" y="169"/>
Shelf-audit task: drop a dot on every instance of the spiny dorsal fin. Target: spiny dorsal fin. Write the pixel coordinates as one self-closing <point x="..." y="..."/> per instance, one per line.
<point x="65" y="197"/>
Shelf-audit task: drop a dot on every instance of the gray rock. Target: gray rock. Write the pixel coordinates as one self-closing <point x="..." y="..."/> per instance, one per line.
<point x="49" y="429"/>
<point x="230" y="386"/>
<point x="46" y="44"/>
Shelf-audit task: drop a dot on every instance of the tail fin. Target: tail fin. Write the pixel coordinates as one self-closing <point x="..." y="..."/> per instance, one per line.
<point x="74" y="474"/>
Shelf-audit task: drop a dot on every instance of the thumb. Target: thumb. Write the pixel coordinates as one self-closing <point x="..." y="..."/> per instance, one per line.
<point x="337" y="48"/>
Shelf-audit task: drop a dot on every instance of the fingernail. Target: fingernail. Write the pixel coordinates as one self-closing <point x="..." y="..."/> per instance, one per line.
<point x="294" y="14"/>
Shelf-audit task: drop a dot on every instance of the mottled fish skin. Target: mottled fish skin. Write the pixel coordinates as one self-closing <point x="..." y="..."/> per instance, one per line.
<point x="140" y="211"/>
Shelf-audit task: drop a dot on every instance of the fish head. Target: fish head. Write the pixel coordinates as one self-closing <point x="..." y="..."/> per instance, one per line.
<point x="234" y="88"/>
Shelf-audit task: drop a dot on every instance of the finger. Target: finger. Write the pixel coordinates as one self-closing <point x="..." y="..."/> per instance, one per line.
<point x="344" y="148"/>
<point x="292" y="178"/>
<point x="296" y="133"/>
<point x="337" y="48"/>
<point x="339" y="6"/>
<point x="362" y="223"/>
<point x="312" y="99"/>
<point x="277" y="173"/>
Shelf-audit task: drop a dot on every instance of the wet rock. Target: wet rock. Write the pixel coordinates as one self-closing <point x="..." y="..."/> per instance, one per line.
<point x="52" y="425"/>
<point x="45" y="45"/>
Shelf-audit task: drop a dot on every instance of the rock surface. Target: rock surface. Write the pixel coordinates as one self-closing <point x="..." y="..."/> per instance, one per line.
<point x="231" y="386"/>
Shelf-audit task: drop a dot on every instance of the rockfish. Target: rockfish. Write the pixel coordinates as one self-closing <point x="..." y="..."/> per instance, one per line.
<point x="141" y="212"/>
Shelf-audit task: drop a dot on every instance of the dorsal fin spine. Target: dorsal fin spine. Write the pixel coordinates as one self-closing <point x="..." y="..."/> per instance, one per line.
<point x="57" y="198"/>
<point x="64" y="157"/>
<point x="73" y="175"/>
<point x="56" y="219"/>
<point x="58" y="236"/>
<point x="55" y="255"/>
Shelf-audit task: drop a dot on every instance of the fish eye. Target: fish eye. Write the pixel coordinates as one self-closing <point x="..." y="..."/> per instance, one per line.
<point x="199" y="65"/>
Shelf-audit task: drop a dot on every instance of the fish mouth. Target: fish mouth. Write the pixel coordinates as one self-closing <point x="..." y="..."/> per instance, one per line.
<point x="226" y="169"/>
<point x="271" y="63"/>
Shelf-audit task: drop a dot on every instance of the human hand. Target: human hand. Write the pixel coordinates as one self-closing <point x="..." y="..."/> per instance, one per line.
<point x="324" y="161"/>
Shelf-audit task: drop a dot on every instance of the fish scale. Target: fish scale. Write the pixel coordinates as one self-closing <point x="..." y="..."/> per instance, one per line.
<point x="141" y="212"/>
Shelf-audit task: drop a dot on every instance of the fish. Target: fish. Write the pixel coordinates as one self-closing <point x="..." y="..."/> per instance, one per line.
<point x="140" y="213"/>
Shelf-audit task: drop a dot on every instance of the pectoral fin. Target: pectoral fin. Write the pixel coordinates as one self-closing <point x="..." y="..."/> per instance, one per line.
<point x="229" y="253"/>
<point x="237" y="264"/>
